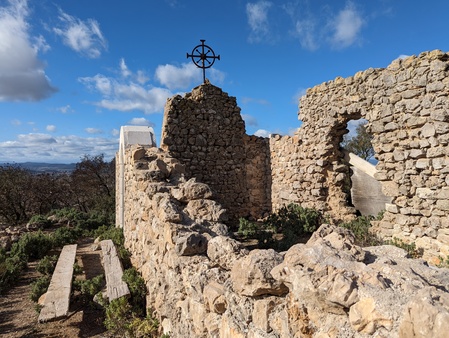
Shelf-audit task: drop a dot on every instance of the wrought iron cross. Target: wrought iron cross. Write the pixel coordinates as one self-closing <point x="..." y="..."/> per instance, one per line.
<point x="204" y="57"/>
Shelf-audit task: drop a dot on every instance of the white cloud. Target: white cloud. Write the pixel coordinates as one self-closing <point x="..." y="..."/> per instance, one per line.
<point x="99" y="83"/>
<point x="124" y="68"/>
<point x="16" y="122"/>
<point x="346" y="27"/>
<point x="50" y="128"/>
<point x="257" y="14"/>
<point x="64" y="149"/>
<point x="250" y="120"/>
<point x="140" y="121"/>
<point x="174" y="77"/>
<point x="127" y="93"/>
<point x="306" y="31"/>
<point x="84" y="37"/>
<point x="65" y="109"/>
<point x="93" y="131"/>
<point x="115" y="132"/>
<point x="262" y="133"/>
<point x="22" y="75"/>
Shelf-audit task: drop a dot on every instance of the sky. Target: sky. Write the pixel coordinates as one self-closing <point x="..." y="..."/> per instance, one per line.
<point x="73" y="72"/>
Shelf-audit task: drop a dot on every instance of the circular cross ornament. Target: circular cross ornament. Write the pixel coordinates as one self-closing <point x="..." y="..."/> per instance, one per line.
<point x="203" y="57"/>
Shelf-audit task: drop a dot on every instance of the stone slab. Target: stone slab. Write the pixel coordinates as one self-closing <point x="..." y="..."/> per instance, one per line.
<point x="57" y="299"/>
<point x="115" y="286"/>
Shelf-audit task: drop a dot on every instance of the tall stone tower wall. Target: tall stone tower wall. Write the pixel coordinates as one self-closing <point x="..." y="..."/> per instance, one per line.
<point x="206" y="132"/>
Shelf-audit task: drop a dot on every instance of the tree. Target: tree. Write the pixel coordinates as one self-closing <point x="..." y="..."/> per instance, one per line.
<point x="15" y="195"/>
<point x="360" y="144"/>
<point x="93" y="184"/>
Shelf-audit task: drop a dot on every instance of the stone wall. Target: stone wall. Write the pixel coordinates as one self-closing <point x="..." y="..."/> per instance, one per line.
<point x="407" y="108"/>
<point x="206" y="132"/>
<point x="202" y="283"/>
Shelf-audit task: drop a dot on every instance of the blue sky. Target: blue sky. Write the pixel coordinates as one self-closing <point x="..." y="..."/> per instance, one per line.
<point x="73" y="72"/>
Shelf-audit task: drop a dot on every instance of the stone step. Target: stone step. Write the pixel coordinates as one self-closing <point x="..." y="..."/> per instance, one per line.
<point x="57" y="298"/>
<point x="115" y="286"/>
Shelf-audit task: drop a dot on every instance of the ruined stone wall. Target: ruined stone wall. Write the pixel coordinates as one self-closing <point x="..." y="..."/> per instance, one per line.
<point x="258" y="176"/>
<point x="206" y="132"/>
<point x="202" y="283"/>
<point x="407" y="108"/>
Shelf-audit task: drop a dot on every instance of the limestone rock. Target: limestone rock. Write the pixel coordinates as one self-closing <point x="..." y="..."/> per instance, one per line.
<point x="426" y="315"/>
<point x="251" y="275"/>
<point x="192" y="190"/>
<point x="364" y="317"/>
<point x="224" y="251"/>
<point x="204" y="209"/>
<point x="214" y="295"/>
<point x="191" y="244"/>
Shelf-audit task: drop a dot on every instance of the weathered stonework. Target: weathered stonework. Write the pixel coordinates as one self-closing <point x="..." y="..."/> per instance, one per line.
<point x="202" y="283"/>
<point x="407" y="109"/>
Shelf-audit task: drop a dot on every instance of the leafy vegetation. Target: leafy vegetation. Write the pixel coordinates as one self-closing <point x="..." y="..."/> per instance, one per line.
<point x="39" y="287"/>
<point x="89" y="188"/>
<point x="88" y="288"/>
<point x="360" y="227"/>
<point x="360" y="144"/>
<point x="47" y="265"/>
<point x="410" y="248"/>
<point x="290" y="225"/>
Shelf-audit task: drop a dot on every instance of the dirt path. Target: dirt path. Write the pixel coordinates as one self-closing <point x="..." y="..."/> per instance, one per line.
<point x="18" y="317"/>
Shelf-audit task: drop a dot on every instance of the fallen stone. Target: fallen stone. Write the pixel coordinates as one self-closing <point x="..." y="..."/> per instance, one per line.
<point x="251" y="275"/>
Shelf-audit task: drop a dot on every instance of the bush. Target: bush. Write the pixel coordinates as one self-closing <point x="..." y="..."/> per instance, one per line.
<point x="47" y="265"/>
<point x="412" y="250"/>
<point x="281" y="230"/>
<point x="39" y="287"/>
<point x="40" y="220"/>
<point x="90" y="287"/>
<point x="294" y="222"/>
<point x="138" y="289"/>
<point x="64" y="235"/>
<point x="10" y="269"/>
<point x="143" y="327"/>
<point x="32" y="245"/>
<point x="118" y="315"/>
<point x="360" y="227"/>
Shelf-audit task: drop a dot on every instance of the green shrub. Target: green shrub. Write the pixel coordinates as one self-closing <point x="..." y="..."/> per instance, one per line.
<point x="65" y="235"/>
<point x="111" y="232"/>
<point x="89" y="287"/>
<point x="293" y="223"/>
<point x="32" y="245"/>
<point x="77" y="270"/>
<point x="143" y="327"/>
<point x="247" y="229"/>
<point x="118" y="315"/>
<point x="10" y="269"/>
<point x="47" y="265"/>
<point x="412" y="250"/>
<point x="281" y="230"/>
<point x="39" y="287"/>
<point x="360" y="227"/>
<point x="40" y="220"/>
<point x="138" y="290"/>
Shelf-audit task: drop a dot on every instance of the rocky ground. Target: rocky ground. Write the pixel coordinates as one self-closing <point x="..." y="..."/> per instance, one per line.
<point x="18" y="315"/>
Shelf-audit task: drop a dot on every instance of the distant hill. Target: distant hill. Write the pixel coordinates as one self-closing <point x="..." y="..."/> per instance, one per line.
<point x="37" y="167"/>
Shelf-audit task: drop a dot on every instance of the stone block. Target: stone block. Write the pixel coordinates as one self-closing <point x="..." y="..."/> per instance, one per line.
<point x="251" y="275"/>
<point x="214" y="297"/>
<point x="261" y="313"/>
